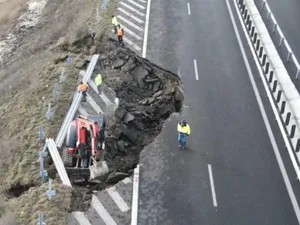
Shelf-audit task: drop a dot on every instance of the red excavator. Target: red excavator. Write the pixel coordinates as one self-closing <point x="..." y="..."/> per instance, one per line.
<point x="85" y="143"/>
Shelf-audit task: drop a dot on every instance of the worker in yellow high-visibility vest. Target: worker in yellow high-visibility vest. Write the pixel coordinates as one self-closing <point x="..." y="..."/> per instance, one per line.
<point x="98" y="82"/>
<point x="115" y="23"/>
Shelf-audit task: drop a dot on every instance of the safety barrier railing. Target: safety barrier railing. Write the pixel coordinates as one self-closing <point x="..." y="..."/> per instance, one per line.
<point x="276" y="77"/>
<point x="264" y="8"/>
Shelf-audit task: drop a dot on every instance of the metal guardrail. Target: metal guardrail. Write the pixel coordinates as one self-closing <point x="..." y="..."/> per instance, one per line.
<point x="274" y="75"/>
<point x="283" y="41"/>
<point x="75" y="104"/>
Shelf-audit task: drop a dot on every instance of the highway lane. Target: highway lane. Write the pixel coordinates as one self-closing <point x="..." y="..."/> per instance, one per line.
<point x="288" y="18"/>
<point x="228" y="131"/>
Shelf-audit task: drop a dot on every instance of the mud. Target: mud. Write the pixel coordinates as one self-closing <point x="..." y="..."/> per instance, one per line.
<point x="148" y="95"/>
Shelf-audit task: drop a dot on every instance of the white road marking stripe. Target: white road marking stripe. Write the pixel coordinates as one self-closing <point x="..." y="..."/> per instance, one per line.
<point x="94" y="105"/>
<point x="82" y="111"/>
<point x="262" y="109"/>
<point x="130" y="15"/>
<point x="136" y="4"/>
<point x="127" y="30"/>
<point x="146" y="29"/>
<point x="108" y="220"/>
<point x="127" y="180"/>
<point x="117" y="198"/>
<point x="129" y="23"/>
<point x="143" y="1"/>
<point x="189" y="8"/>
<point x="131" y="43"/>
<point x="132" y="9"/>
<point x="196" y="69"/>
<point x="102" y="96"/>
<point x="135" y="195"/>
<point x="212" y="186"/>
<point x="81" y="218"/>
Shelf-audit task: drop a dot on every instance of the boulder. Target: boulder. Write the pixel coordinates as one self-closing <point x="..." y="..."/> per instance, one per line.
<point x="130" y="134"/>
<point x="178" y="95"/>
<point x="102" y="56"/>
<point x="121" y="145"/>
<point x="157" y="94"/>
<point x="128" y="66"/>
<point x="128" y="117"/>
<point x="118" y="63"/>
<point x="139" y="72"/>
<point x="120" y="113"/>
<point x="115" y="177"/>
<point x="156" y="86"/>
<point x="151" y="100"/>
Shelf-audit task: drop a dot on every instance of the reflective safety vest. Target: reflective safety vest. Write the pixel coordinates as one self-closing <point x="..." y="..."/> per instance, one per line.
<point x="114" y="21"/>
<point x="98" y="79"/>
<point x="183" y="129"/>
<point x="120" y="31"/>
<point x="82" y="87"/>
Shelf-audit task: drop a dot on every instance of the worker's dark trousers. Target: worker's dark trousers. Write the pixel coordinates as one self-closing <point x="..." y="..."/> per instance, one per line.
<point x="115" y="29"/>
<point x="84" y="96"/>
<point x="99" y="87"/>
<point x="120" y="38"/>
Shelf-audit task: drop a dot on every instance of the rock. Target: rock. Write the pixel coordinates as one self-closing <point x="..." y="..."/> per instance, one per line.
<point x="144" y="102"/>
<point x="139" y="72"/>
<point x="51" y="67"/>
<point x="121" y="145"/>
<point x="120" y="113"/>
<point x="128" y="117"/>
<point x="157" y="94"/>
<point x="118" y="63"/>
<point x="141" y="82"/>
<point x="128" y="66"/>
<point x="79" y="181"/>
<point x="116" y="133"/>
<point x="156" y="86"/>
<point x="60" y="58"/>
<point x="151" y="100"/>
<point x="126" y="144"/>
<point x="80" y="64"/>
<point x="151" y="80"/>
<point x="130" y="134"/>
<point x="115" y="177"/>
<point x="178" y="95"/>
<point x="102" y="56"/>
<point x="147" y="67"/>
<point x="93" y="50"/>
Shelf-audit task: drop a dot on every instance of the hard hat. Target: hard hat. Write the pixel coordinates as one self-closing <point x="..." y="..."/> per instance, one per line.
<point x="183" y="122"/>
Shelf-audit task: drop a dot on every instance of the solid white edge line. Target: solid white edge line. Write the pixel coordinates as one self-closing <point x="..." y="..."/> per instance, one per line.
<point x="189" y="8"/>
<point x="81" y="218"/>
<point x="196" y="69"/>
<point x="135" y="196"/>
<point x="117" y="199"/>
<point x="261" y="107"/>
<point x="107" y="219"/>
<point x="212" y="186"/>
<point x="146" y="29"/>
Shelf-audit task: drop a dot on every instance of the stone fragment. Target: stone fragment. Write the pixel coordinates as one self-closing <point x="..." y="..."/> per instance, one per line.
<point x="115" y="177"/>
<point x="118" y="63"/>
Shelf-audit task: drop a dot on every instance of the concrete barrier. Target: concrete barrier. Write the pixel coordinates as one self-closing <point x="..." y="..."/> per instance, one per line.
<point x="280" y="84"/>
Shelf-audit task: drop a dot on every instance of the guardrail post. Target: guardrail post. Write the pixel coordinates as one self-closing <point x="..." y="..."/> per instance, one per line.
<point x="287" y="119"/>
<point x="252" y="31"/>
<point x="278" y="96"/>
<point x="274" y="86"/>
<point x="288" y="56"/>
<point x="297" y="147"/>
<point x="293" y="129"/>
<point x="281" y="40"/>
<point x="41" y="133"/>
<point x="257" y="44"/>
<point x="50" y="193"/>
<point x="271" y="76"/>
<point x="246" y="13"/>
<point x="263" y="5"/>
<point x="267" y="67"/>
<point x="268" y="16"/>
<point x="62" y="76"/>
<point x="250" y="25"/>
<point x="297" y="74"/>
<point x="282" y="108"/>
<point x="49" y="113"/>
<point x="260" y="51"/>
<point x="274" y="27"/>
<point x="41" y="219"/>
<point x="264" y="59"/>
<point x="255" y="38"/>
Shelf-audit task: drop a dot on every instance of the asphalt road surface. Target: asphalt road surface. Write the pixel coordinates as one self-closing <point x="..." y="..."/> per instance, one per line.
<point x="229" y="174"/>
<point x="287" y="16"/>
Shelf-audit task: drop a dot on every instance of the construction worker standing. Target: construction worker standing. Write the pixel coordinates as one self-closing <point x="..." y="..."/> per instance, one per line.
<point x="82" y="87"/>
<point x="120" y="33"/>
<point x="115" y="23"/>
<point x="98" y="82"/>
<point x="183" y="130"/>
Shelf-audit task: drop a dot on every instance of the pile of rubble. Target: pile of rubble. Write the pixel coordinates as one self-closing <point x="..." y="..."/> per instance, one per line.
<point x="147" y="94"/>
